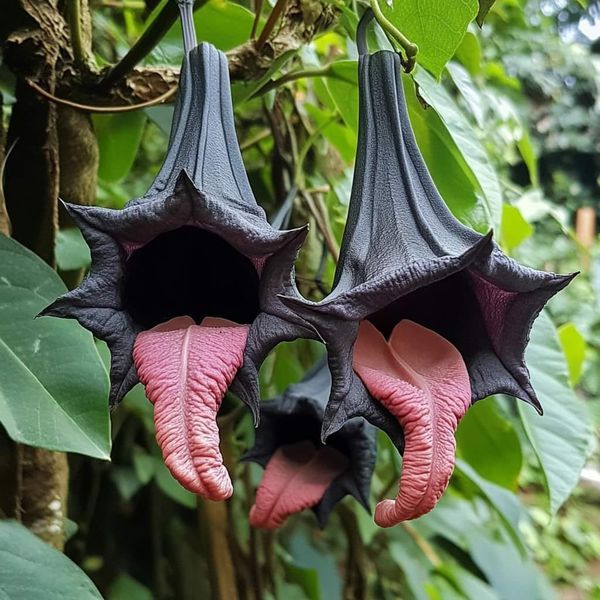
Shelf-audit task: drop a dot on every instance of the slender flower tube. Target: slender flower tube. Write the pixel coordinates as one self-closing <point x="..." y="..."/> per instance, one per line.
<point x="300" y="471"/>
<point x="179" y="277"/>
<point x="426" y="316"/>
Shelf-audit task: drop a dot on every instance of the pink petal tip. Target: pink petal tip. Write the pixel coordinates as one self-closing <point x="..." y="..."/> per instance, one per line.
<point x="422" y="380"/>
<point x="295" y="478"/>
<point x="187" y="369"/>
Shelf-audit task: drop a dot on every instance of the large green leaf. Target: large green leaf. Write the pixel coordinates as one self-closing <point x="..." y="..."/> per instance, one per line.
<point x="490" y="444"/>
<point x="32" y="570"/>
<point x="53" y="385"/>
<point x="119" y="136"/>
<point x="504" y="503"/>
<point x="510" y="574"/>
<point x="561" y="438"/>
<point x="436" y="26"/>
<point x="468" y="143"/>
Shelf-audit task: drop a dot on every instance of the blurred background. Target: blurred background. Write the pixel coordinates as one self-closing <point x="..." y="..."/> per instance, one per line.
<point x="504" y="103"/>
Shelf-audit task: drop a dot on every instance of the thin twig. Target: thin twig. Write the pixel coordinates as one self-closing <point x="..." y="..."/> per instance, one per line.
<point x="357" y="567"/>
<point x="425" y="547"/>
<point x="270" y="24"/>
<point x="300" y="74"/>
<point x="74" y="16"/>
<point x="258" y="4"/>
<point x="101" y="109"/>
<point x="122" y="4"/>
<point x="328" y="236"/>
<point x="259" y="137"/>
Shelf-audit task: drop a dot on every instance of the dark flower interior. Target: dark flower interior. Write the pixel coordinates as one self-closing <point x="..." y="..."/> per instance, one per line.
<point x="190" y="271"/>
<point x="293" y="428"/>
<point x="449" y="307"/>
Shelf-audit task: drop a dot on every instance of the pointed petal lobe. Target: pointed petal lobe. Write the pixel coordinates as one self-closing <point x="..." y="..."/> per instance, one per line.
<point x="296" y="477"/>
<point x="187" y="369"/>
<point x="422" y="380"/>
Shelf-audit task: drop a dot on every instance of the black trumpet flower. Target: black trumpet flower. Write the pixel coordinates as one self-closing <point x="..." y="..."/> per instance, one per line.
<point x="300" y="471"/>
<point x="176" y="283"/>
<point x="425" y="316"/>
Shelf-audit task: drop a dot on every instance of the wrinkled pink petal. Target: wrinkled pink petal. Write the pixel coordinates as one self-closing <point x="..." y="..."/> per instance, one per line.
<point x="187" y="369"/>
<point x="422" y="380"/>
<point x="296" y="478"/>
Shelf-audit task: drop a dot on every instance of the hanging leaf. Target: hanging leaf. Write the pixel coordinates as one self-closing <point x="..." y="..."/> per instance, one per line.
<point x="53" y="385"/>
<point x="467" y="142"/>
<point x="561" y="438"/>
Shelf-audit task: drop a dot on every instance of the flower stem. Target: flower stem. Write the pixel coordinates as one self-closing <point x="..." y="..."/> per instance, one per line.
<point x="410" y="49"/>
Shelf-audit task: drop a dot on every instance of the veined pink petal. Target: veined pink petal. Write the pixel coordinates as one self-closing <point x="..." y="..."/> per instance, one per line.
<point x="296" y="478"/>
<point x="422" y="380"/>
<point x="187" y="369"/>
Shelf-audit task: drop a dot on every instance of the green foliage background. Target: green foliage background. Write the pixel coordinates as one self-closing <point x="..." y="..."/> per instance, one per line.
<point x="507" y="119"/>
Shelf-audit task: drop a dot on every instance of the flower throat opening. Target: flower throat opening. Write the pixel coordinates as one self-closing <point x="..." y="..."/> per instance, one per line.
<point x="190" y="271"/>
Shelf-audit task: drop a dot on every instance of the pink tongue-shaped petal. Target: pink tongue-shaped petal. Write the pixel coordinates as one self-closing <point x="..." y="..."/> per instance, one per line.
<point x="422" y="380"/>
<point x="187" y="369"/>
<point x="296" y="477"/>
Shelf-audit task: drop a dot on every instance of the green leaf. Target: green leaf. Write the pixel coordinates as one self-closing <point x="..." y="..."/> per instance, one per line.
<point x="126" y="587"/>
<point x="172" y="488"/>
<point x="434" y="25"/>
<point x="71" y="250"/>
<point x="469" y="53"/>
<point x="528" y="153"/>
<point x="484" y="9"/>
<point x="119" y="136"/>
<point x="470" y="585"/>
<point x="489" y="443"/>
<point x="223" y="24"/>
<point x="53" y="385"/>
<point x="470" y="93"/>
<point x="574" y="346"/>
<point x="467" y="142"/>
<point x="307" y="579"/>
<point x="561" y="438"/>
<point x="515" y="229"/>
<point x="343" y="87"/>
<point x="509" y="573"/>
<point x="503" y="502"/>
<point x="32" y="570"/>
<point x="415" y="566"/>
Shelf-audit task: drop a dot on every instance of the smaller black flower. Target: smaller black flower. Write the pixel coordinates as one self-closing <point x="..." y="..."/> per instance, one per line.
<point x="300" y="471"/>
